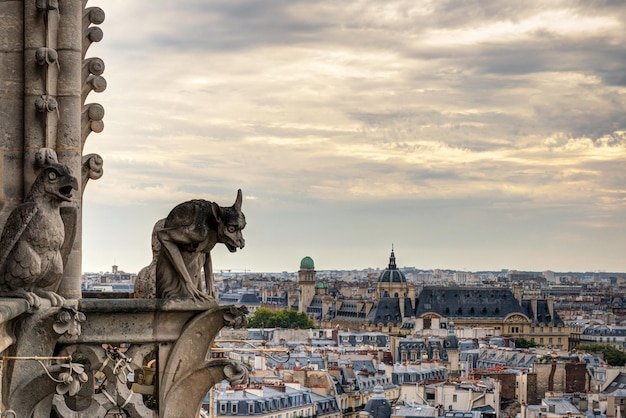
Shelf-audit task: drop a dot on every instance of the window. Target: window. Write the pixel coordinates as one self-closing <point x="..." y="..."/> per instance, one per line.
<point x="222" y="408"/>
<point x="453" y="398"/>
<point x="233" y="408"/>
<point x="250" y="408"/>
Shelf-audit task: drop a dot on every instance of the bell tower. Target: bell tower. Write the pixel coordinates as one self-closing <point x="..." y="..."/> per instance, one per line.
<point x="306" y="282"/>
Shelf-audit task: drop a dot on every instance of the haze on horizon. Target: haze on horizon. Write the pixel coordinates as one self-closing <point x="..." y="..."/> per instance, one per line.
<point x="471" y="135"/>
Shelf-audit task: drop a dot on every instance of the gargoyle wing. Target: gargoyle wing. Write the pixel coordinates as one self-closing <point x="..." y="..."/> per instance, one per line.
<point x="16" y="224"/>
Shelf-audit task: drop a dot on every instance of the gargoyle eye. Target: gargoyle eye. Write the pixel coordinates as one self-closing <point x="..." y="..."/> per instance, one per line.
<point x="231" y="228"/>
<point x="52" y="175"/>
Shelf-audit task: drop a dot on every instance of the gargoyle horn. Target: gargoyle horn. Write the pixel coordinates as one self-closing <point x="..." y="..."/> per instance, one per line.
<point x="237" y="204"/>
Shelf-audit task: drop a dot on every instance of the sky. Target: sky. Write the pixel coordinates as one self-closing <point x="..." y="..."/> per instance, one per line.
<point x="469" y="134"/>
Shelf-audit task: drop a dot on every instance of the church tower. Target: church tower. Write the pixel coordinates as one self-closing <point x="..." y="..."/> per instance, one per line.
<point x="392" y="282"/>
<point x="306" y="283"/>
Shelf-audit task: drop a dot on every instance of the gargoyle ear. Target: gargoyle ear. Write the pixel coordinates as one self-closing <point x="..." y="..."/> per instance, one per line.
<point x="217" y="211"/>
<point x="237" y="204"/>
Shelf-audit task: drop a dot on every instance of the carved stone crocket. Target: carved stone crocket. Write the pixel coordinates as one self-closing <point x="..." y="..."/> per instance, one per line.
<point x="31" y="259"/>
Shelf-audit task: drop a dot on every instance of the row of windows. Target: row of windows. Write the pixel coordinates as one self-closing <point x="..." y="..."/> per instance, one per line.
<point x="536" y="329"/>
<point x="550" y="340"/>
<point x="234" y="410"/>
<point x="361" y="338"/>
<point x="268" y="404"/>
<point x="602" y="339"/>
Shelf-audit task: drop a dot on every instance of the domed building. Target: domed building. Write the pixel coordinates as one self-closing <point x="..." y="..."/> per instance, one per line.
<point x="392" y="282"/>
<point x="306" y="283"/>
<point x="394" y="298"/>
<point x="314" y="299"/>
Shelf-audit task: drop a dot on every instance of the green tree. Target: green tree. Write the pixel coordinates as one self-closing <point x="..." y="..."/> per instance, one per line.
<point x="285" y="318"/>
<point x="524" y="343"/>
<point x="611" y="355"/>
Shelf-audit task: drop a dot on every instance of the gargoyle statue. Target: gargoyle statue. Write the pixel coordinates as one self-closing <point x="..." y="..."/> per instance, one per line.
<point x="190" y="232"/>
<point x="32" y="250"/>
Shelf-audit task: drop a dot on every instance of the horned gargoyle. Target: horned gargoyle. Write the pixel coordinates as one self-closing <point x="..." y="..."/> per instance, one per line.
<point x="33" y="245"/>
<point x="190" y="232"/>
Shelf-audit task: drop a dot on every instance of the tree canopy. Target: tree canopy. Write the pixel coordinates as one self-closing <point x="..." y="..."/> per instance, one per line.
<point x="524" y="343"/>
<point x="285" y="318"/>
<point x="612" y="355"/>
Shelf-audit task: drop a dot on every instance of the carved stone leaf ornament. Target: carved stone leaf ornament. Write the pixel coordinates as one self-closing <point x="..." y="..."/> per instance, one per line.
<point x="72" y="379"/>
<point x="68" y="322"/>
<point x="236" y="316"/>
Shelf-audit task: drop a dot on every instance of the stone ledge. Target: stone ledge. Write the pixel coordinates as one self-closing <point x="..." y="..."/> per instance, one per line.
<point x="9" y="310"/>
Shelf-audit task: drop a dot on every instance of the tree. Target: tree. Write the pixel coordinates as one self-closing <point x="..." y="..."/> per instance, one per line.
<point x="611" y="355"/>
<point x="524" y="343"/>
<point x="285" y="318"/>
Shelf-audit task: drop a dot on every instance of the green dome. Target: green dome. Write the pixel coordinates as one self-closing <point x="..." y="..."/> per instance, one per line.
<point x="321" y="285"/>
<point x="307" y="263"/>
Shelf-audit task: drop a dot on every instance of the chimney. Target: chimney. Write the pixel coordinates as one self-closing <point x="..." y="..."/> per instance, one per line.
<point x="517" y="292"/>
<point x="533" y="306"/>
<point x="551" y="307"/>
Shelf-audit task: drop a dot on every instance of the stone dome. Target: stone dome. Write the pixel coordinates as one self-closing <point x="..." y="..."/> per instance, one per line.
<point x="307" y="263"/>
<point x="392" y="274"/>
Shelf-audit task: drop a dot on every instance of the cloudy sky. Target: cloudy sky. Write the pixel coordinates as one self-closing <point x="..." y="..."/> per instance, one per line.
<point x="470" y="134"/>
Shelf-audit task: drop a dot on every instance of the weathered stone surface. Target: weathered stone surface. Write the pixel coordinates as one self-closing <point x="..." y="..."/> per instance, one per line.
<point x="9" y="309"/>
<point x="33" y="237"/>
<point x="187" y="374"/>
<point x="91" y="169"/>
<point x="11" y="107"/>
<point x="145" y="283"/>
<point x="190" y="232"/>
<point x="70" y="82"/>
<point x="13" y="179"/>
<point x="11" y="26"/>
<point x="70" y="25"/>
<point x="69" y="131"/>
<point x="25" y="384"/>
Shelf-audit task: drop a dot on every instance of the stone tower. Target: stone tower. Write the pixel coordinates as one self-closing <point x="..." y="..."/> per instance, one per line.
<point x="44" y="83"/>
<point x="306" y="282"/>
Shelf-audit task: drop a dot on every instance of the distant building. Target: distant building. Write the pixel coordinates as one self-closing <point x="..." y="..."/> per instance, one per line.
<point x="270" y="401"/>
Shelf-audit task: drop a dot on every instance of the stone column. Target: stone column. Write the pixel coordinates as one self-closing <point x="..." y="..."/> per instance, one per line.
<point x="44" y="81"/>
<point x="69" y="139"/>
